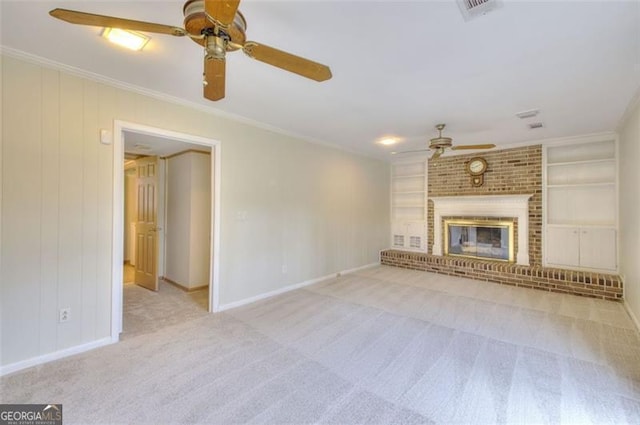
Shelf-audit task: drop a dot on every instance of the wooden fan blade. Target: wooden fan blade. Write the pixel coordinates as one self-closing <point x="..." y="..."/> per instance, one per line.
<point x="214" y="76"/>
<point x="283" y="60"/>
<point x="437" y="154"/>
<point x="82" y="18"/>
<point x="485" y="146"/>
<point x="221" y="11"/>
<point x="414" y="151"/>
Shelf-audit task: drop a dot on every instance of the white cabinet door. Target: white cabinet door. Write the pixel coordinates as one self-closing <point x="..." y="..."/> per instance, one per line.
<point x="563" y="246"/>
<point x="598" y="248"/>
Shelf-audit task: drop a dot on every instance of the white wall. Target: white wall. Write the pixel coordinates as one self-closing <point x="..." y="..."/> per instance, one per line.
<point x="188" y="219"/>
<point x="630" y="209"/>
<point x="314" y="209"/>
<point x="200" y="223"/>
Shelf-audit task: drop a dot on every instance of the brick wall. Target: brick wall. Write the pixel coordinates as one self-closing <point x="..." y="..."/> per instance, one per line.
<point x="509" y="172"/>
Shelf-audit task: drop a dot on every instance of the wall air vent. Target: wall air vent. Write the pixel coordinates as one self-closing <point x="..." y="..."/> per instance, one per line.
<point x="473" y="8"/>
<point x="535" y="125"/>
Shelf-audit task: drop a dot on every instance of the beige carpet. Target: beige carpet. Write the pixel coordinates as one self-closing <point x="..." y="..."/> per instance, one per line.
<point x="147" y="311"/>
<point x="385" y="345"/>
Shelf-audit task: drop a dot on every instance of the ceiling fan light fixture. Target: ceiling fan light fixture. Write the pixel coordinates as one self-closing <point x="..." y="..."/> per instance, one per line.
<point x="131" y="40"/>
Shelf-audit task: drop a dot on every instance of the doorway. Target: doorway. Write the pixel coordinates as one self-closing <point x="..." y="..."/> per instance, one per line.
<point x="149" y="142"/>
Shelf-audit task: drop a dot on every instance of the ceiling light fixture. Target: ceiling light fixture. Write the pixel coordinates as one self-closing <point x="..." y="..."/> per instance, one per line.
<point x="388" y="141"/>
<point x="130" y="39"/>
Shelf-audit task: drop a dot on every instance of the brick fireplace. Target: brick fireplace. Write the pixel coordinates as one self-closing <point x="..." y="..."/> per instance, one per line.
<point x="492" y="207"/>
<point x="512" y="190"/>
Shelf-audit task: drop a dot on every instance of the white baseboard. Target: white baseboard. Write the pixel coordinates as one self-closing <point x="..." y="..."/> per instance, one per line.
<point x="631" y="314"/>
<point x="291" y="287"/>
<point x="357" y="269"/>
<point x="35" y="361"/>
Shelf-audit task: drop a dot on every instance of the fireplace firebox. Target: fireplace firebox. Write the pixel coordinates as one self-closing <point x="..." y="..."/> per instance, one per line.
<point x="482" y="239"/>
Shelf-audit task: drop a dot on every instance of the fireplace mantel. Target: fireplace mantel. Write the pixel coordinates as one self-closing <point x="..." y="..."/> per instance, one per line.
<point x="484" y="206"/>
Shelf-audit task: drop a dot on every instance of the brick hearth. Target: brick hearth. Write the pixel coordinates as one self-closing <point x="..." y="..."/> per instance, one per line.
<point x="586" y="284"/>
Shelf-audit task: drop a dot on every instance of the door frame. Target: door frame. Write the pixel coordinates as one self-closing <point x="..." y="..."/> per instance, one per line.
<point x="119" y="127"/>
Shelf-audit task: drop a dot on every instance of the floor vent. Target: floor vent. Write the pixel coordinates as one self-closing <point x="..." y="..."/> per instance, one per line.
<point x="473" y="8"/>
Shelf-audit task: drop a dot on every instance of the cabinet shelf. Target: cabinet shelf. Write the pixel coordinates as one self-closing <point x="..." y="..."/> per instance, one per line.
<point x="408" y="205"/>
<point x="569" y="185"/>
<point x="581" y="205"/>
<point x="587" y="161"/>
<point x="582" y="225"/>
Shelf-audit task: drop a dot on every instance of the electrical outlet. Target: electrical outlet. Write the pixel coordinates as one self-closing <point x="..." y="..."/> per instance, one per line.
<point x="64" y="314"/>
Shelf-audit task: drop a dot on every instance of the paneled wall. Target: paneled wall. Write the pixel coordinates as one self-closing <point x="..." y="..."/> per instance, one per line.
<point x="509" y="172"/>
<point x="290" y="210"/>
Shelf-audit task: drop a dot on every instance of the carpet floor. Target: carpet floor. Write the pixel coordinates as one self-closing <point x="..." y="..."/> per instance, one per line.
<point x="381" y="346"/>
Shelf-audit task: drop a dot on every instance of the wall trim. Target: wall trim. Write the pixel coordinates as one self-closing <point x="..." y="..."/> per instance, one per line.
<point x="181" y="286"/>
<point x="632" y="315"/>
<point x="583" y="138"/>
<point x="293" y="287"/>
<point x="92" y="76"/>
<point x="633" y="103"/>
<point x="119" y="127"/>
<point x="56" y="355"/>
<point x="186" y="152"/>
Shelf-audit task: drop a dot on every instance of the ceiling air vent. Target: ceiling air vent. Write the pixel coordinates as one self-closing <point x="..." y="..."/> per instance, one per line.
<point x="527" y="114"/>
<point x="535" y="125"/>
<point x="473" y="8"/>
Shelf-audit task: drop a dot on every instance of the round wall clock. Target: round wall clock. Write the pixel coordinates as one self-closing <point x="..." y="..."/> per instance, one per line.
<point x="476" y="166"/>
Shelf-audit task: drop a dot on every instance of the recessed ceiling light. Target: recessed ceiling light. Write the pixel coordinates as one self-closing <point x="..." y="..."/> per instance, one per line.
<point x="130" y="39"/>
<point x="387" y="141"/>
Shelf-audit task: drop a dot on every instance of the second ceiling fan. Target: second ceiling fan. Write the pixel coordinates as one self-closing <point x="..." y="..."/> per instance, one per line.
<point x="219" y="27"/>
<point x="440" y="143"/>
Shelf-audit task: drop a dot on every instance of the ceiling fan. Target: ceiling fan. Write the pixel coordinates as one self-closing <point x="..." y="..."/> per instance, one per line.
<point x="217" y="25"/>
<point x="439" y="144"/>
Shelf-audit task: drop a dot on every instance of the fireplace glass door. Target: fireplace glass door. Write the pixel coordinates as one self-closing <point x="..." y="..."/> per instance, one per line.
<point x="483" y="239"/>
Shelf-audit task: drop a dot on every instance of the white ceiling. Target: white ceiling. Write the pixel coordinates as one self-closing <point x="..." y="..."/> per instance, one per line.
<point x="399" y="67"/>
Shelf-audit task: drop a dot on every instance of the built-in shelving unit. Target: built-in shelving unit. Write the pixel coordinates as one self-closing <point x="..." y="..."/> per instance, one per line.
<point x="581" y="205"/>
<point x="408" y="204"/>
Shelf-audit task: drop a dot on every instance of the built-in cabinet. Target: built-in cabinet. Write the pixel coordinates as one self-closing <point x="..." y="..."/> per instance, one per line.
<point x="581" y="205"/>
<point x="408" y="205"/>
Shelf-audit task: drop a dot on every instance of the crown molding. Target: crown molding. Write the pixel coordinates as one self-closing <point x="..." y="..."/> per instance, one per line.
<point x="99" y="78"/>
<point x="633" y="104"/>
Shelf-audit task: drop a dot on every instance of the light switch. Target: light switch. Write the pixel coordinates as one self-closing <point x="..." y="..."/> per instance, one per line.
<point x="105" y="137"/>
